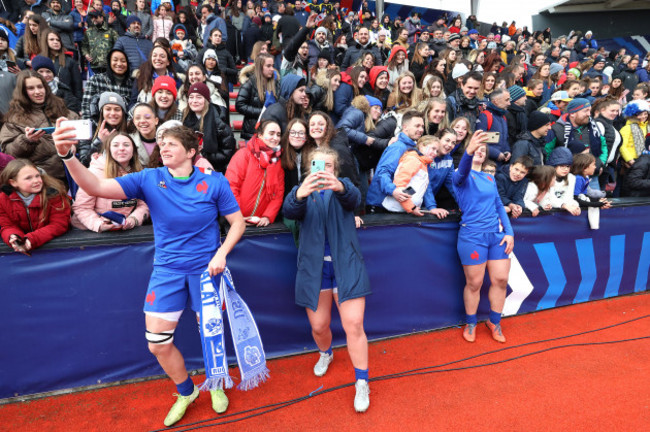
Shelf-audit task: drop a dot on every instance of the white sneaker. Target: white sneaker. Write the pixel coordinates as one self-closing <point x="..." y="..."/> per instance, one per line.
<point x="362" y="398"/>
<point x="323" y="363"/>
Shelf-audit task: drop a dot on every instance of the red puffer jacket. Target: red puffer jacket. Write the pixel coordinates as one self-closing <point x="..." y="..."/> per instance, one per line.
<point x="14" y="218"/>
<point x="258" y="191"/>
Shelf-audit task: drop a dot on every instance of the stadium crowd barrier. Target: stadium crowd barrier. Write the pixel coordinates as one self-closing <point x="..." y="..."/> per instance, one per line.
<point x="72" y="312"/>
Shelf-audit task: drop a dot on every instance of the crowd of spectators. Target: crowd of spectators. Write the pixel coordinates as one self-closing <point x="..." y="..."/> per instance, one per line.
<point x="396" y="99"/>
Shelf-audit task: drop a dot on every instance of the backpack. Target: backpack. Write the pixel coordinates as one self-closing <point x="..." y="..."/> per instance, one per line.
<point x="490" y="118"/>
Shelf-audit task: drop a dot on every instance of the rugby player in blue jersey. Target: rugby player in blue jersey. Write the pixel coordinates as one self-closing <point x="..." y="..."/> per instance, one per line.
<point x="185" y="204"/>
<point x="481" y="242"/>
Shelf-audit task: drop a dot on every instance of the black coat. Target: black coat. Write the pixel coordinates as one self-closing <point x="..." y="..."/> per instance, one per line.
<point x="71" y="101"/>
<point x="637" y="182"/>
<point x="251" y="35"/>
<point x="70" y="75"/>
<point x="418" y="70"/>
<point x="347" y="167"/>
<point x="517" y="122"/>
<point x="317" y="95"/>
<point x="368" y="156"/>
<point x="218" y="140"/>
<point x="248" y="104"/>
<point x="225" y="59"/>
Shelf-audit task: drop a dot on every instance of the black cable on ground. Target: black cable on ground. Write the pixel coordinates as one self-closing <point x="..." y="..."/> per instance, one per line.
<point x="412" y="372"/>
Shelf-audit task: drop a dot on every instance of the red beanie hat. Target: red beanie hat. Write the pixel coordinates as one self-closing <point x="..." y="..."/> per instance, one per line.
<point x="164" y="83"/>
<point x="201" y="89"/>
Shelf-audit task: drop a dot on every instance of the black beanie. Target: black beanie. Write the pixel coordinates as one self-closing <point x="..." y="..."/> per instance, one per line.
<point x="537" y="119"/>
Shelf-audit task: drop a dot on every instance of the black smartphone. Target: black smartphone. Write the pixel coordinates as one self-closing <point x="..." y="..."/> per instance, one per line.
<point x="10" y="64"/>
<point x="115" y="217"/>
<point x="409" y="190"/>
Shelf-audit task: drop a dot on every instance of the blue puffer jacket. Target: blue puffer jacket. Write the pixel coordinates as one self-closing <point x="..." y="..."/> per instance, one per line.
<point x="137" y="48"/>
<point x="499" y="124"/>
<point x="509" y="191"/>
<point x="333" y="213"/>
<point x="353" y="122"/>
<point x="382" y="183"/>
<point x="342" y="98"/>
<point x="440" y="172"/>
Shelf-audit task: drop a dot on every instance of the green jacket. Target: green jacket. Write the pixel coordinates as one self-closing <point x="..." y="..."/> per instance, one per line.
<point x="97" y="42"/>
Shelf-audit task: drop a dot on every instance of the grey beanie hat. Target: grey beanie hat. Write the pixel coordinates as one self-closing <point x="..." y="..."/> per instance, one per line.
<point x="321" y="30"/>
<point x="111" y="98"/>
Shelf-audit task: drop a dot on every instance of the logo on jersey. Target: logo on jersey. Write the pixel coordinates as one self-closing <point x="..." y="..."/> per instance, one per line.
<point x="162" y="185"/>
<point x="202" y="187"/>
<point x="151" y="297"/>
<point x="490" y="178"/>
<point x="474" y="255"/>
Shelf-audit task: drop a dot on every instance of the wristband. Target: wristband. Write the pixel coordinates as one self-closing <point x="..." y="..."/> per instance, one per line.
<point x="67" y="156"/>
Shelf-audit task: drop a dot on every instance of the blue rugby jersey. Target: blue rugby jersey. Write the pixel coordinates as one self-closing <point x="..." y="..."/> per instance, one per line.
<point x="184" y="214"/>
<point x="478" y="198"/>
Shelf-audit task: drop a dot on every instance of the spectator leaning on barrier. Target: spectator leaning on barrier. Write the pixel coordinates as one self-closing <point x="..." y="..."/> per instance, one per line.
<point x="512" y="182"/>
<point x="382" y="183"/>
<point x="256" y="177"/>
<point x="118" y="158"/>
<point x="562" y="191"/>
<point x="34" y="208"/>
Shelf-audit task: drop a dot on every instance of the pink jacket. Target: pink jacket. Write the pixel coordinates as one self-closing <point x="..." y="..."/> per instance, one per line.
<point x="86" y="208"/>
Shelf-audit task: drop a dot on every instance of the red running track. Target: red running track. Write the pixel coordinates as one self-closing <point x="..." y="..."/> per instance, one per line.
<point x="580" y="387"/>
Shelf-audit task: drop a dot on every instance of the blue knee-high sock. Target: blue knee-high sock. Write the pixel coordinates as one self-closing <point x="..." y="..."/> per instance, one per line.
<point x="361" y="374"/>
<point x="495" y="317"/>
<point x="185" y="388"/>
<point x="471" y="319"/>
<point x="328" y="352"/>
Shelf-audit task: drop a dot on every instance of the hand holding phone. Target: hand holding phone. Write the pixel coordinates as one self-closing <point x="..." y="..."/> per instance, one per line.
<point x="82" y="128"/>
<point x="316" y="166"/>
<point x="492" y="137"/>
<point x="116" y="218"/>
<point x="409" y="190"/>
<point x="47" y="130"/>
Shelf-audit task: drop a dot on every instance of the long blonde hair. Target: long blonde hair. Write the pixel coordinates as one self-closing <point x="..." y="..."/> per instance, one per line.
<point x="263" y="84"/>
<point x="362" y="104"/>
<point x="324" y="80"/>
<point x="399" y="100"/>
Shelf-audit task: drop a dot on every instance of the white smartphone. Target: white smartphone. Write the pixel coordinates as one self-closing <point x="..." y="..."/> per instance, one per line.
<point x="83" y="128"/>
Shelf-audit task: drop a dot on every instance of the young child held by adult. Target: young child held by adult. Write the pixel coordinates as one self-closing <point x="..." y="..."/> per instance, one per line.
<point x="412" y="177"/>
<point x="183" y="48"/>
<point x="561" y="159"/>
<point x="538" y="196"/>
<point x="584" y="166"/>
<point x="324" y="207"/>
<point x="34" y="207"/>
<point x="512" y="182"/>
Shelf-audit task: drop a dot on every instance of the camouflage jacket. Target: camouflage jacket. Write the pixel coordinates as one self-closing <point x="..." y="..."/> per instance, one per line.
<point x="97" y="43"/>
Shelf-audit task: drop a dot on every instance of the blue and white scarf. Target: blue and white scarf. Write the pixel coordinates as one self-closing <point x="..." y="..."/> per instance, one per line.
<point x="246" y="338"/>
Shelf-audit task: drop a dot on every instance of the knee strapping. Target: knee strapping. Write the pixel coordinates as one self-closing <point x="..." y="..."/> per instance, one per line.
<point x="162" y="338"/>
